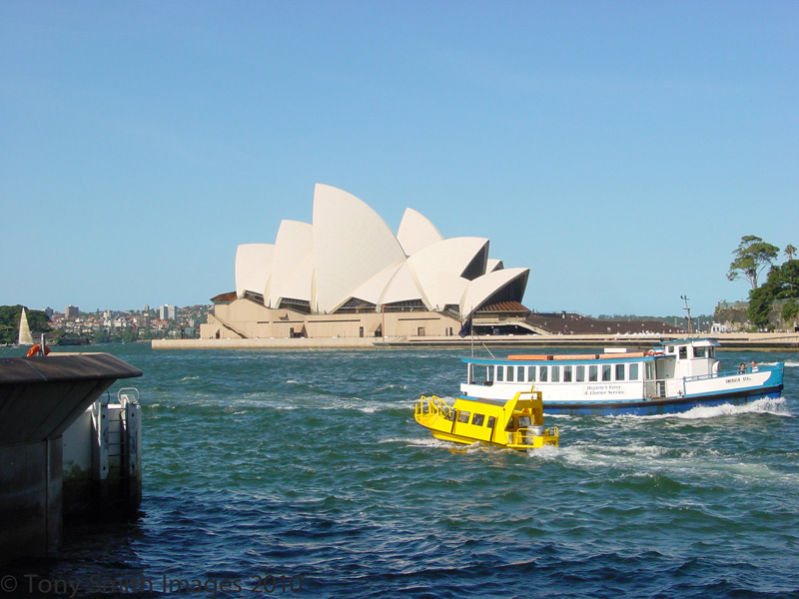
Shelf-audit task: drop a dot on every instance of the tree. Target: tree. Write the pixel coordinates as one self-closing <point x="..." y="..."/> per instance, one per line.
<point x="790" y="310"/>
<point x="760" y="300"/>
<point x="751" y="257"/>
<point x="786" y="280"/>
<point x="9" y="322"/>
<point x="789" y="252"/>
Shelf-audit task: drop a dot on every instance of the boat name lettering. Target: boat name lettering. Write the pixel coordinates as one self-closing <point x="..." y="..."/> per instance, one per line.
<point x="739" y="379"/>
<point x="604" y="390"/>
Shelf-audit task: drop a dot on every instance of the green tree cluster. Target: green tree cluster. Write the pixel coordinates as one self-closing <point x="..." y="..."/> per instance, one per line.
<point x="9" y="323"/>
<point x="752" y="256"/>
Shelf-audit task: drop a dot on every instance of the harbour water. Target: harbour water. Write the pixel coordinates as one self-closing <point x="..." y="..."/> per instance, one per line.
<point x="303" y="474"/>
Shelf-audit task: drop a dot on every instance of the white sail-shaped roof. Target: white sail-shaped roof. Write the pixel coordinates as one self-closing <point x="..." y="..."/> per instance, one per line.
<point x="416" y="232"/>
<point x="403" y="287"/>
<point x="439" y="268"/>
<point x="351" y="244"/>
<point x="372" y="290"/>
<point x="349" y="252"/>
<point x="494" y="264"/>
<point x="493" y="283"/>
<point x="292" y="263"/>
<point x="253" y="267"/>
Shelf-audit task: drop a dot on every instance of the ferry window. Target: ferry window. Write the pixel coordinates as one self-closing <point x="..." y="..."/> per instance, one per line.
<point x="683" y="352"/>
<point x="619" y="372"/>
<point x="464" y="416"/>
<point x="511" y="373"/>
<point x="491" y="421"/>
<point x="500" y="373"/>
<point x="670" y="349"/>
<point x="531" y="373"/>
<point x="605" y="372"/>
<point x="543" y="374"/>
<point x="478" y="420"/>
<point x="699" y="352"/>
<point x="711" y="352"/>
<point x="592" y="373"/>
<point x="633" y="372"/>
<point x="555" y="374"/>
<point x="567" y="374"/>
<point x="580" y="374"/>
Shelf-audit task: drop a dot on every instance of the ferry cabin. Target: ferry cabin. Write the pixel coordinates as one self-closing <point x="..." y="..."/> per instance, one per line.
<point x="676" y="370"/>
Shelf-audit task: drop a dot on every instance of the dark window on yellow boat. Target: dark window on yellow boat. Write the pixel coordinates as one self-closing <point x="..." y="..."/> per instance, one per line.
<point x="619" y="372"/>
<point x="580" y="374"/>
<point x="478" y="419"/>
<point x="555" y="374"/>
<point x="592" y="373"/>
<point x="605" y="372"/>
<point x="491" y="421"/>
<point x="567" y="374"/>
<point x="633" y="372"/>
<point x="449" y="415"/>
<point x="464" y="416"/>
<point x="543" y="374"/>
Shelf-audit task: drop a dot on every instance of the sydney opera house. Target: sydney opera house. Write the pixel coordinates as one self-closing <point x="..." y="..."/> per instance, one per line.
<point x="347" y="274"/>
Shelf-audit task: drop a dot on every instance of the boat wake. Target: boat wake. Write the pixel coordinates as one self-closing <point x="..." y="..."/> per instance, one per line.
<point x="420" y="442"/>
<point x="775" y="407"/>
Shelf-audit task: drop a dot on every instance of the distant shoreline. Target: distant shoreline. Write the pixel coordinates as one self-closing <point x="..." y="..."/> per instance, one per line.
<point x="728" y="341"/>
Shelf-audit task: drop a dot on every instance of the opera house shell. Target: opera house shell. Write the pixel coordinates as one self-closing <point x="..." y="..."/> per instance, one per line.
<point x="346" y="274"/>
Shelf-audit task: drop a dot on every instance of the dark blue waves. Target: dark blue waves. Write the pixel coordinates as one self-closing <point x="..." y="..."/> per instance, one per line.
<point x="302" y="474"/>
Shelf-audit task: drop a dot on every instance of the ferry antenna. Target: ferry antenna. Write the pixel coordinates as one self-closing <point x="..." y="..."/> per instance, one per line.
<point x="687" y="313"/>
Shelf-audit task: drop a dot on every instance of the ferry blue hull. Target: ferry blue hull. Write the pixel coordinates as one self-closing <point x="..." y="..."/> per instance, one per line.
<point x="660" y="406"/>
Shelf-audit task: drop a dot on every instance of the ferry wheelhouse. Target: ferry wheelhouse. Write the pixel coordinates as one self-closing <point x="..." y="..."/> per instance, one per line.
<point x="673" y="377"/>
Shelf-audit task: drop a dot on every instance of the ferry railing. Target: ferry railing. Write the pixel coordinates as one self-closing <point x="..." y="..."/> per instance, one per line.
<point x="526" y="436"/>
<point x="728" y="373"/>
<point x="433" y="405"/>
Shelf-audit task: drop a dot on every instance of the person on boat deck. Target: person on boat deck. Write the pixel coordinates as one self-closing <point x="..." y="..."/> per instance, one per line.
<point x="742" y="368"/>
<point x="754" y="366"/>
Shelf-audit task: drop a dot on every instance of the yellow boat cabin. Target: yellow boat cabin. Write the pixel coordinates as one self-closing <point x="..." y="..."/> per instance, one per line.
<point x="517" y="423"/>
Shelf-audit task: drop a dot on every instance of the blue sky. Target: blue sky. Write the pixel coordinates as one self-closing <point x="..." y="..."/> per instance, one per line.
<point x="618" y="149"/>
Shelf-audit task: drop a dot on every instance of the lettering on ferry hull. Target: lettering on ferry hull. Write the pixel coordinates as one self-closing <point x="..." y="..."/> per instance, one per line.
<point x="739" y="379"/>
<point x="604" y="390"/>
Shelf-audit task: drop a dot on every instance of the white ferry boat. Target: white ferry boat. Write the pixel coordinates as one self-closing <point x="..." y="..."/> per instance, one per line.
<point x="674" y="377"/>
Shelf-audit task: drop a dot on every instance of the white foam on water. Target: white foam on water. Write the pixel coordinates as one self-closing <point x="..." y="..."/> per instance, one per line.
<point x="776" y="407"/>
<point x="547" y="452"/>
<point x="419" y="442"/>
<point x="365" y="406"/>
<point x="789" y="364"/>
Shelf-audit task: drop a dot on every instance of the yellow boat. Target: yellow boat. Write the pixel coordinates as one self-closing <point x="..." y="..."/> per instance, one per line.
<point x="517" y="423"/>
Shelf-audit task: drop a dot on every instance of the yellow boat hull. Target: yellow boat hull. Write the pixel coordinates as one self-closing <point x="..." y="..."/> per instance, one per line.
<point x="516" y="424"/>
